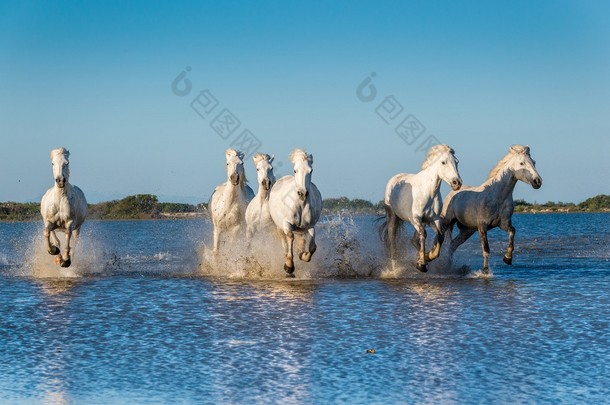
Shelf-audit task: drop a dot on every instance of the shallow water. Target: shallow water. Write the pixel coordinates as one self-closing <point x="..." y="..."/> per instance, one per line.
<point x="145" y="317"/>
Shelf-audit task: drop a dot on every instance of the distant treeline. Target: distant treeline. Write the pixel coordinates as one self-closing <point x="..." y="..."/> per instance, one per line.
<point x="599" y="203"/>
<point x="147" y="206"/>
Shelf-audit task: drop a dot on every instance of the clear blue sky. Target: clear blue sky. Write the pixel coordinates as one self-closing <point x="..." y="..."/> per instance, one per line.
<point x="480" y="76"/>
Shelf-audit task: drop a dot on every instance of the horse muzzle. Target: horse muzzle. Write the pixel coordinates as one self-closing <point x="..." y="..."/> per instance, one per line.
<point x="456" y="184"/>
<point x="266" y="184"/>
<point x="234" y="179"/>
<point x="302" y="194"/>
<point x="537" y="183"/>
<point x="60" y="181"/>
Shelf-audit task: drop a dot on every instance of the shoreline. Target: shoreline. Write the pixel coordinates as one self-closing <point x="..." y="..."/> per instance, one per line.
<point x="191" y="216"/>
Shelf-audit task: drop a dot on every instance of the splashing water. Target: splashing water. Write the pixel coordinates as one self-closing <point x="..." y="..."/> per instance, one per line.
<point x="348" y="247"/>
<point x="87" y="258"/>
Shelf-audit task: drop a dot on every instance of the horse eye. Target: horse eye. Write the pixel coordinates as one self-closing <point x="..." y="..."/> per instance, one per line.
<point x="295" y="171"/>
<point x="444" y="163"/>
<point x="522" y="163"/>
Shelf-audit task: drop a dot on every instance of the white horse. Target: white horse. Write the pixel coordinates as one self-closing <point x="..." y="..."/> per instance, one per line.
<point x="258" y="217"/>
<point x="491" y="204"/>
<point x="295" y="205"/>
<point x="416" y="198"/>
<point x="227" y="205"/>
<point x="63" y="207"/>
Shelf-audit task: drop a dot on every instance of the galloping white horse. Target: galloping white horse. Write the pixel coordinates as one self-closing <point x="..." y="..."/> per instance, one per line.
<point x="258" y="217"/>
<point x="416" y="198"/>
<point x="295" y="205"/>
<point x="227" y="205"/>
<point x="491" y="204"/>
<point x="63" y="207"/>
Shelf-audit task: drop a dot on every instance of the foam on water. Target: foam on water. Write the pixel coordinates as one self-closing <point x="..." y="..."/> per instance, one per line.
<point x="88" y="258"/>
<point x="346" y="249"/>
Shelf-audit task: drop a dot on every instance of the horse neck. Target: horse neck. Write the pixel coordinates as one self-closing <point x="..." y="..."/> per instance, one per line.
<point x="430" y="180"/>
<point x="262" y="193"/>
<point x="232" y="193"/>
<point x="66" y="190"/>
<point x="502" y="184"/>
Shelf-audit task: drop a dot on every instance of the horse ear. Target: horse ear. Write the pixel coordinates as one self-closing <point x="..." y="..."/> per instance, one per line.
<point x="516" y="149"/>
<point x="271" y="158"/>
<point x="310" y="158"/>
<point x="527" y="149"/>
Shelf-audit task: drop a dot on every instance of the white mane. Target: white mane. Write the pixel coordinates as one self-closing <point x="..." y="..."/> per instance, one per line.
<point x="300" y="154"/>
<point x="60" y="151"/>
<point x="260" y="157"/>
<point x="433" y="153"/>
<point x="234" y="153"/>
<point x="501" y="165"/>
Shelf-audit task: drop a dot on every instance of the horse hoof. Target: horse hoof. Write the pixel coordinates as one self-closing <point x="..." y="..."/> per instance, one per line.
<point x="508" y="260"/>
<point x="305" y="256"/>
<point x="65" y="263"/>
<point x="422" y="267"/>
<point x="54" y="250"/>
<point x="289" y="270"/>
<point x="485" y="270"/>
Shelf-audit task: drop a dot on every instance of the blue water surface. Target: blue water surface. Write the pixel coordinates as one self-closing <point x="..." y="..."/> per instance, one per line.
<point x="141" y="323"/>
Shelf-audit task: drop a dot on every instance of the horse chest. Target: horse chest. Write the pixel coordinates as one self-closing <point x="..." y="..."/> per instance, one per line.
<point x="59" y="213"/>
<point x="302" y="217"/>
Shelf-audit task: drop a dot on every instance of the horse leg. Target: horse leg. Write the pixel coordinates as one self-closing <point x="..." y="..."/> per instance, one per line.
<point x="415" y="240"/>
<point x="289" y="265"/>
<point x="440" y="237"/>
<point x="216" y="239"/>
<point x="249" y="234"/>
<point x="310" y="245"/>
<point x="393" y="226"/>
<point x="485" y="247"/>
<point x="52" y="249"/>
<point x="421" y="254"/>
<point x="65" y="260"/>
<point x="55" y="240"/>
<point x="465" y="233"/>
<point x="508" y="257"/>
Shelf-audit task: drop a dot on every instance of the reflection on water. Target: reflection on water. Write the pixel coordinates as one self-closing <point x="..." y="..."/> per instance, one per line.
<point x="151" y="328"/>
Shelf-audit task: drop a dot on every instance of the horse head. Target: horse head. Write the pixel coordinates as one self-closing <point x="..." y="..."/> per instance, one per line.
<point x="264" y="170"/>
<point x="443" y="158"/>
<point x="302" y="172"/>
<point x="523" y="166"/>
<point x="235" y="167"/>
<point x="61" y="166"/>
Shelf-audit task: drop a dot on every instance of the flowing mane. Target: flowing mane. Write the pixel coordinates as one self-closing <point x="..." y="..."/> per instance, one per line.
<point x="514" y="150"/>
<point x="301" y="155"/>
<point x="433" y="153"/>
<point x="233" y="153"/>
<point x="261" y="156"/>
<point x="60" y="151"/>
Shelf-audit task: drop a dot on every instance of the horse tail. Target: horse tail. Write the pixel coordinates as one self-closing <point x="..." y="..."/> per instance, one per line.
<point x="384" y="225"/>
